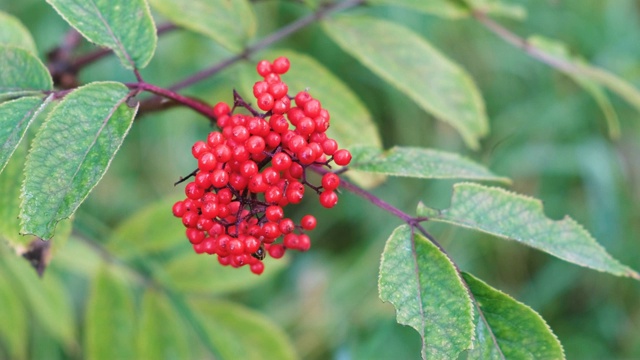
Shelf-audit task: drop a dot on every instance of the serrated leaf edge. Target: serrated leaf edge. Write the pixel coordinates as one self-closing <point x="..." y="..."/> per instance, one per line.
<point x="527" y="307"/>
<point x="130" y="61"/>
<point x="538" y="205"/>
<point x="458" y="275"/>
<point x="23" y="229"/>
<point x="34" y="114"/>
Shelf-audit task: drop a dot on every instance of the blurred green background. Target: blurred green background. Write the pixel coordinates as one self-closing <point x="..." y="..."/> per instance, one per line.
<point x="547" y="134"/>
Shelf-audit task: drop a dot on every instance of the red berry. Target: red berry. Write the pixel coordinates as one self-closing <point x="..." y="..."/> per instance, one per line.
<point x="279" y="124"/>
<point x="179" y="209"/>
<point x="259" y="88"/>
<point x="276" y="251"/>
<point x="221" y="109"/>
<point x="190" y="219"/>
<point x="329" y="146"/>
<point x="219" y="178"/>
<point x="274" y="213"/>
<point x="248" y="168"/>
<point x="286" y="226"/>
<point x="291" y="241"/>
<point x="257" y="268"/>
<point x="193" y="191"/>
<point x="304" y="242"/>
<point x="195" y="236"/>
<point x="210" y="209"/>
<point x="255" y="144"/>
<point x="203" y="180"/>
<point x="222" y="153"/>
<point x="312" y="108"/>
<point x="207" y="162"/>
<point x="281" y="106"/>
<point x="271" y="231"/>
<point x="199" y="148"/>
<point x="263" y="68"/>
<point x="281" y="161"/>
<point x="342" y="157"/>
<point x="308" y="222"/>
<point x="306" y="155"/>
<point x="306" y="126"/>
<point x="280" y="65"/>
<point x="265" y="101"/>
<point x="328" y="199"/>
<point x="273" y="195"/>
<point x="240" y="134"/>
<point x="278" y="90"/>
<point x="294" y="192"/>
<point x="302" y="98"/>
<point x="330" y="181"/>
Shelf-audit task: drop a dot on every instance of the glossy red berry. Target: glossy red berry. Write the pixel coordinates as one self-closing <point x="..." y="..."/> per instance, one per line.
<point x="263" y="68"/>
<point x="342" y="157"/>
<point x="280" y="65"/>
<point x="308" y="222"/>
<point x="328" y="199"/>
<point x="330" y="181"/>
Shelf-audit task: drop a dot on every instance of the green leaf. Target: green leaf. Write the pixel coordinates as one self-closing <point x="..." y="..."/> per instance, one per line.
<point x="420" y="163"/>
<point x="443" y="8"/>
<point x="152" y="229"/>
<point x="10" y="182"/>
<point x="508" y="329"/>
<point x="590" y="85"/>
<point x="71" y="153"/>
<point x="240" y="333"/>
<point x="13" y="33"/>
<point x="230" y="23"/>
<point x="416" y="68"/>
<point x="14" y="320"/>
<point x="109" y="326"/>
<point x="124" y="26"/>
<point x="15" y="118"/>
<point x="512" y="216"/>
<point x="46" y="297"/>
<point x="22" y="73"/>
<point x="161" y="334"/>
<point x="427" y="292"/>
<point x="498" y="8"/>
<point x="185" y="274"/>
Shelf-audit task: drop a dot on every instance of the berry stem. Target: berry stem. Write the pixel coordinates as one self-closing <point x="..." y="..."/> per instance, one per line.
<point x="194" y="104"/>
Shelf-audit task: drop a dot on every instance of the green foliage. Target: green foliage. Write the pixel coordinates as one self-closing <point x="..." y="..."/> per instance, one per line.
<point x="13" y="33"/>
<point x="230" y="23"/>
<point x="16" y="116"/>
<point x="512" y="216"/>
<point x="416" y="68"/>
<point x="71" y="152"/>
<point x="424" y="286"/>
<point x="124" y="26"/>
<point x="129" y="272"/>
<point x="22" y="73"/>
<point x="419" y="163"/>
<point x="507" y="329"/>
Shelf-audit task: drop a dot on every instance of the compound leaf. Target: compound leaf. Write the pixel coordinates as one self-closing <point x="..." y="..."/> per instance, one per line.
<point x="415" y="67"/>
<point x="109" y="318"/>
<point x="71" y="153"/>
<point x="13" y="33"/>
<point x="240" y="333"/>
<point x="230" y="23"/>
<point x="512" y="216"/>
<point x="508" y="329"/>
<point x="22" y="73"/>
<point x="420" y="163"/>
<point x="124" y="26"/>
<point x="15" y="118"/>
<point x="427" y="292"/>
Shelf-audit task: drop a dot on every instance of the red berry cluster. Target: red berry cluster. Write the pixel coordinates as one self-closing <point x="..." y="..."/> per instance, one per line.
<point x="254" y="167"/>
